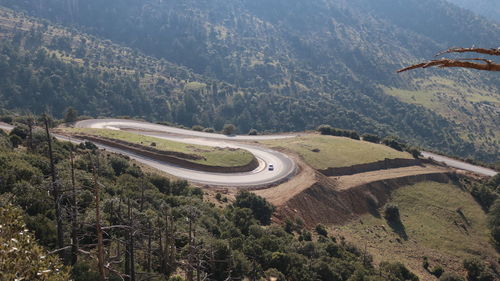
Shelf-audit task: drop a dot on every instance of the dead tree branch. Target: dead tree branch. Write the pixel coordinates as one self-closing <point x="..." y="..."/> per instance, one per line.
<point x="465" y="63"/>
<point x="473" y="63"/>
<point x="491" y="52"/>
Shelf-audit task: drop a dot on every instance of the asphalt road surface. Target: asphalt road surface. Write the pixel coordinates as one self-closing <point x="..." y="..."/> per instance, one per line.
<point x="284" y="167"/>
<point x="460" y="164"/>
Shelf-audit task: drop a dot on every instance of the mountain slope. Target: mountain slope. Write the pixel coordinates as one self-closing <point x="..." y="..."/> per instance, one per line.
<point x="487" y="8"/>
<point x="298" y="64"/>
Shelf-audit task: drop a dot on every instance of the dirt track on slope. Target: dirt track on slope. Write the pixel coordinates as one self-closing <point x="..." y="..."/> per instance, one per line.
<point x="307" y="177"/>
<point x="316" y="198"/>
<point x="280" y="194"/>
<point x="346" y="182"/>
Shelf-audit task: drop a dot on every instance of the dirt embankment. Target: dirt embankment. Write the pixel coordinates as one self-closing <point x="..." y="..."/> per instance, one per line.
<point x="176" y="158"/>
<point x="325" y="202"/>
<point x="374" y="166"/>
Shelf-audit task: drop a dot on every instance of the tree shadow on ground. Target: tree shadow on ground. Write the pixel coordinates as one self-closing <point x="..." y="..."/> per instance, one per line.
<point x="398" y="228"/>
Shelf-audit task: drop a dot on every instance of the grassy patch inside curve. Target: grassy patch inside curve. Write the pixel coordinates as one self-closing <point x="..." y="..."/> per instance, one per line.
<point x="213" y="156"/>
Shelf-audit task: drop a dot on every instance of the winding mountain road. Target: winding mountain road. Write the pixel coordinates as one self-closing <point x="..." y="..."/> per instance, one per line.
<point x="460" y="164"/>
<point x="284" y="167"/>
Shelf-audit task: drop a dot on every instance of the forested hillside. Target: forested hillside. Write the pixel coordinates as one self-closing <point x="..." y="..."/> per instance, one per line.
<point x="487" y="8"/>
<point x="276" y="65"/>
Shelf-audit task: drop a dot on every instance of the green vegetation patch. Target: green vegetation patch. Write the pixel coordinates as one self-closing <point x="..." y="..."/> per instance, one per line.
<point x="438" y="220"/>
<point x="212" y="156"/>
<point x="432" y="211"/>
<point x="471" y="108"/>
<point x="195" y="86"/>
<point x="322" y="152"/>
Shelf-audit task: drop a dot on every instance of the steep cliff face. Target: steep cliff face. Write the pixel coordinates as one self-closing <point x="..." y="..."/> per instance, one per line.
<point x="324" y="202"/>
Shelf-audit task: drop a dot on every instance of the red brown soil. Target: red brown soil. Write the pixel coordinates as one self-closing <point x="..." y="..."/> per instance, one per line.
<point x="336" y="200"/>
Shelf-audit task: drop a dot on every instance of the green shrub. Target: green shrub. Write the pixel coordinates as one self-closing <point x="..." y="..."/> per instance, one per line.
<point x="305" y="236"/>
<point x="218" y="196"/>
<point x="494" y="221"/>
<point x="393" y="143"/>
<point x="437" y="271"/>
<point x="70" y="115"/>
<point x="325" y="129"/>
<point x="415" y="152"/>
<point x="15" y="140"/>
<point x="329" y="130"/>
<point x="425" y="263"/>
<point x="87" y="145"/>
<point x="321" y="230"/>
<point x="119" y="165"/>
<point x="6" y="119"/>
<point x="484" y="195"/>
<point x="371" y="138"/>
<point x="20" y="131"/>
<point x="228" y="129"/>
<point x="21" y="258"/>
<point x="197" y="128"/>
<point x="477" y="270"/>
<point x="253" y="132"/>
<point x="288" y="227"/>
<point x="261" y="209"/>
<point x="392" y="213"/>
<point x="397" y="271"/>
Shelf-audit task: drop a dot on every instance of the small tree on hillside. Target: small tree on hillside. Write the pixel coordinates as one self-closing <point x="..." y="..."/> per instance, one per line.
<point x="392" y="213"/>
<point x="261" y="209"/>
<point x="371" y="138"/>
<point x="321" y="230"/>
<point x="228" y="129"/>
<point x="70" y="115"/>
<point x="478" y="270"/>
<point x="253" y="132"/>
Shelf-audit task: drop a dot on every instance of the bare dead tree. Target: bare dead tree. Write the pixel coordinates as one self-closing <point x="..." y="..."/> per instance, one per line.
<point x="56" y="194"/>
<point x="168" y="251"/>
<point x="471" y="63"/>
<point x="149" y="249"/>
<point x="130" y="244"/>
<point x="195" y="263"/>
<point x="74" y="211"/>
<point x="100" y="243"/>
<point x="30" y="122"/>
<point x="190" y="260"/>
<point x="491" y="52"/>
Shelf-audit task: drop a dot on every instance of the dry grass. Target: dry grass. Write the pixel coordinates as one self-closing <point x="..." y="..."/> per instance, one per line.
<point x="433" y="226"/>
<point x="335" y="151"/>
